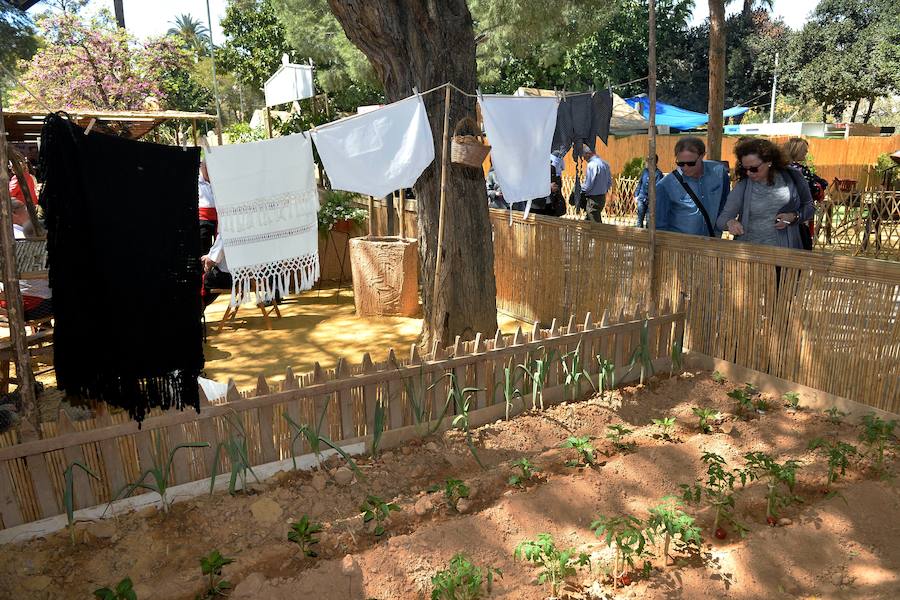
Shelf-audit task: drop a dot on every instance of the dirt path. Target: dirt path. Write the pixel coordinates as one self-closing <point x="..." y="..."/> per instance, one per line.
<point x="840" y="547"/>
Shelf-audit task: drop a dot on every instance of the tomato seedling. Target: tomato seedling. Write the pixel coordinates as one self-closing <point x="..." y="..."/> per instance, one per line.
<point x="556" y="564"/>
<point x="669" y="520"/>
<point x="666" y="424"/>
<point x="376" y="509"/>
<point x="777" y="476"/>
<point x="762" y="405"/>
<point x="835" y="416"/>
<point x="745" y="402"/>
<point x="211" y="566"/>
<point x="718" y="491"/>
<point x="124" y="590"/>
<point x="463" y="580"/>
<point x="705" y="415"/>
<point x="792" y="401"/>
<point x="585" y="450"/>
<point x="838" y="454"/>
<point x="718" y="377"/>
<point x="875" y="435"/>
<point x="454" y="490"/>
<point x="303" y="533"/>
<point x="616" y="434"/>
<point x="526" y="474"/>
<point x="626" y="535"/>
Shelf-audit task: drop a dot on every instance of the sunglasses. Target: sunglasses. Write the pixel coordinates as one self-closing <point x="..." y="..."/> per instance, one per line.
<point x="753" y="169"/>
<point x="686" y="163"/>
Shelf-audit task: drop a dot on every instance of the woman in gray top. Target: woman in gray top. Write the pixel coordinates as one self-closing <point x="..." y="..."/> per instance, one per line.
<point x="769" y="201"/>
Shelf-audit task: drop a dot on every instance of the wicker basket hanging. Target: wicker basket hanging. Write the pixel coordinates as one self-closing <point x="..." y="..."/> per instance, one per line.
<point x="468" y="150"/>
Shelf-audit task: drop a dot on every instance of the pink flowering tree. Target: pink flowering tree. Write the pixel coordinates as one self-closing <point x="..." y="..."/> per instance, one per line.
<point x="91" y="63"/>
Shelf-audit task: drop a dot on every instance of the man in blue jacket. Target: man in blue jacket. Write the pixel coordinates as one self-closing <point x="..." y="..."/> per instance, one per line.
<point x="642" y="191"/>
<point x="676" y="210"/>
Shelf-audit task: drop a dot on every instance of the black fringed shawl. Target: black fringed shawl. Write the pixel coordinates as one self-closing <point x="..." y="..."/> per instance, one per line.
<point x="123" y="245"/>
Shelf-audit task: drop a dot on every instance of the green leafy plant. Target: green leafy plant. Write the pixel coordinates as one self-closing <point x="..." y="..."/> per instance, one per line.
<point x="875" y="436"/>
<point x="461" y="398"/>
<point x="641" y="355"/>
<point x="160" y="474"/>
<point x="838" y="454"/>
<point x="750" y="389"/>
<point x="511" y="389"/>
<point x="626" y="535"/>
<point x="835" y="416"/>
<point x="378" y="426"/>
<point x="463" y="580"/>
<point x="718" y="489"/>
<point x="526" y="474"/>
<point x="303" y="533"/>
<point x="556" y="565"/>
<point x="780" y="481"/>
<point x="585" y="450"/>
<point x="678" y="355"/>
<point x="454" y="490"/>
<point x="212" y="566"/>
<point x="238" y="453"/>
<point x="574" y="372"/>
<point x="338" y="206"/>
<point x="718" y="377"/>
<point x="762" y="405"/>
<point x="633" y="169"/>
<point x="415" y="392"/>
<point x="666" y="424"/>
<point x="69" y="494"/>
<point x="376" y="509"/>
<point x="124" y="590"/>
<point x="667" y="519"/>
<point x="606" y="378"/>
<point x="314" y="439"/>
<point x="704" y="416"/>
<point x="792" y="400"/>
<point x="745" y="402"/>
<point x="616" y="434"/>
<point x="537" y="370"/>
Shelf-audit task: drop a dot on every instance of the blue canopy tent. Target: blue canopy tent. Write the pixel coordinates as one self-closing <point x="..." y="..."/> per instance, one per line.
<point x="675" y="117"/>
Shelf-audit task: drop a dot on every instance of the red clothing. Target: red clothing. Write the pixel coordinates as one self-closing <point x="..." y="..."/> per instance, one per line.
<point x="28" y="302"/>
<point x="208" y="213"/>
<point x="15" y="190"/>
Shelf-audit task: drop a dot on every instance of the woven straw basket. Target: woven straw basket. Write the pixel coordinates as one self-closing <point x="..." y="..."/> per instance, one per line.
<point x="468" y="150"/>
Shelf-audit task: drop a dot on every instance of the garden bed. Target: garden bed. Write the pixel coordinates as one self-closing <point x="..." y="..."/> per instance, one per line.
<point x="843" y="545"/>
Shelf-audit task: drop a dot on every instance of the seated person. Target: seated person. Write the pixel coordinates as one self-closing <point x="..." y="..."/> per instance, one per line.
<point x="36" y="296"/>
<point x="215" y="271"/>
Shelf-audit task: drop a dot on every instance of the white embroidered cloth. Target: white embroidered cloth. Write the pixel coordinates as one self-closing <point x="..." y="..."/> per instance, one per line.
<point x="377" y="152"/>
<point x="520" y="131"/>
<point x="267" y="202"/>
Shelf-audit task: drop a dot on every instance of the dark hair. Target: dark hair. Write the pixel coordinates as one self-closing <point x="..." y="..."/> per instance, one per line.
<point x="692" y="144"/>
<point x="767" y="153"/>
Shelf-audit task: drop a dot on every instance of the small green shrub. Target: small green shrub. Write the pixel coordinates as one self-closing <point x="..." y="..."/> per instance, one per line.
<point x="374" y="508"/>
<point x="666" y="424"/>
<point x="338" y="206"/>
<point x="211" y="566"/>
<point x="792" y="400"/>
<point x="527" y="471"/>
<point x="463" y="580"/>
<point x="671" y="522"/>
<point x="838" y="454"/>
<point x="123" y="591"/>
<point x="616" y="434"/>
<point x="626" y="535"/>
<point x="585" y="450"/>
<point x="704" y="416"/>
<point x="556" y="565"/>
<point x="303" y="533"/>
<point x="875" y="436"/>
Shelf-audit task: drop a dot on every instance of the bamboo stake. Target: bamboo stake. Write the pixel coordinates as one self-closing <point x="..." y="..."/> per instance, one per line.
<point x="651" y="154"/>
<point x="15" y="310"/>
<point x="371" y="210"/>
<point x="437" y="264"/>
<point x="269" y="122"/>
<point x="402" y="212"/>
<point x="15" y="159"/>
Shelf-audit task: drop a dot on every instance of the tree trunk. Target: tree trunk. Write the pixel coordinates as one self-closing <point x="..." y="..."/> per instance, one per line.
<point x="869" y="110"/>
<point x="120" y="13"/>
<point x="716" y="78"/>
<point x="424" y="43"/>
<point x="855" y="110"/>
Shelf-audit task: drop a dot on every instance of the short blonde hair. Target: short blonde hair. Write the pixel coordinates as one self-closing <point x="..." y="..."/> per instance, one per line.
<point x="796" y="149"/>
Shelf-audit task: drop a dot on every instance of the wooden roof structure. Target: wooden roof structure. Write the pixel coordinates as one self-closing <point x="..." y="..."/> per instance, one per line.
<point x="25" y="126"/>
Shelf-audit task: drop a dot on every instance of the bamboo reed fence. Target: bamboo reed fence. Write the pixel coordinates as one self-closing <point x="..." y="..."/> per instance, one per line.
<point x="32" y="472"/>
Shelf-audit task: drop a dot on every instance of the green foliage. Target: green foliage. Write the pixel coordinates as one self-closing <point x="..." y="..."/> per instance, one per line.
<point x="338" y="206"/>
<point x="838" y="454"/>
<point x="462" y="400"/>
<point x="641" y="355"/>
<point x="626" y="534"/>
<point x="374" y="508"/>
<point x="875" y="435"/>
<point x="18" y="39"/>
<point x="616" y="434"/>
<point x="585" y="450"/>
<point x="123" y="591"/>
<point x="303" y="533"/>
<point x="606" y="378"/>
<point x="834" y="415"/>
<point x="778" y="476"/>
<point x="510" y="385"/>
<point x="69" y="494"/>
<point x="454" y="490"/>
<point x="666" y="424"/>
<point x="718" y="377"/>
<point x="255" y="41"/>
<point x="463" y="580"/>
<point x="671" y="522"/>
<point x="238" y="453"/>
<point x="527" y="471"/>
<point x="745" y="402"/>
<point x="242" y="133"/>
<point x="212" y="566"/>
<point x="191" y="32"/>
<point x="718" y="489"/>
<point x="160" y="474"/>
<point x="537" y="369"/>
<point x="574" y="372"/>
<point x="762" y="405"/>
<point x="555" y="564"/>
<point x="890" y="174"/>
<point x="705" y="415"/>
<point x="792" y="400"/>
<point x="314" y="439"/>
<point x="633" y="168"/>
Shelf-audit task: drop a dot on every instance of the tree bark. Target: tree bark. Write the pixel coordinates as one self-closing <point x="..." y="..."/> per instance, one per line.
<point x="716" y="103"/>
<point x="425" y="43"/>
<point x="855" y="110"/>
<point x="120" y="13"/>
<point x="869" y="110"/>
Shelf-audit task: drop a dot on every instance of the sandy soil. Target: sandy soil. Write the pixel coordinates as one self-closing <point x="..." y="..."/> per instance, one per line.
<point x="840" y="547"/>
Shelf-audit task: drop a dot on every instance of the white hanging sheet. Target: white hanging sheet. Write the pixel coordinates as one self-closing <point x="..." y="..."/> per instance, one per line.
<point x="267" y="203"/>
<point x="377" y="152"/>
<point x="520" y="131"/>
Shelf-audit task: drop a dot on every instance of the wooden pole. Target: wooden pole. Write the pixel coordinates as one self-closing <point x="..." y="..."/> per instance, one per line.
<point x="651" y="155"/>
<point x="444" y="157"/>
<point x="389" y="205"/>
<point x="194" y="130"/>
<point x="14" y="308"/>
<point x="269" y="122"/>
<point x="402" y="213"/>
<point x="371" y="210"/>
<point x="17" y="162"/>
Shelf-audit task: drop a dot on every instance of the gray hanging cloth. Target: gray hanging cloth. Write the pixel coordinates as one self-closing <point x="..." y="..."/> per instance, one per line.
<point x="581" y="119"/>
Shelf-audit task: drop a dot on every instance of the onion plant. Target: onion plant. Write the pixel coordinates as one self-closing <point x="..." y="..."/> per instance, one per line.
<point x="235" y="448"/>
<point x="606" y="378"/>
<point x="69" y="494"/>
<point x="511" y="389"/>
<point x="315" y="438"/>
<point x="641" y="355"/>
<point x="537" y="370"/>
<point x="574" y="373"/>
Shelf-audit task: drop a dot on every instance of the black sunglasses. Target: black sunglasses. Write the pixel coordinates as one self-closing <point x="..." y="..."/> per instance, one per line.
<point x="753" y="169"/>
<point x="686" y="163"/>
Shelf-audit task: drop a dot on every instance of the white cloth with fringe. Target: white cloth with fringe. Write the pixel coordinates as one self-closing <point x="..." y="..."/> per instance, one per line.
<point x="267" y="203"/>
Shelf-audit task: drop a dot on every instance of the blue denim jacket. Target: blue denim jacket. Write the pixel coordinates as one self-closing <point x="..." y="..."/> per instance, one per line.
<point x="643" y="187"/>
<point x="675" y="211"/>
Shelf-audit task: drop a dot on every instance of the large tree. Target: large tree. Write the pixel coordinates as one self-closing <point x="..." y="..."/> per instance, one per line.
<point x="17" y="39"/>
<point x="716" y="103"/>
<point x="423" y="44"/>
<point x="255" y="41"/>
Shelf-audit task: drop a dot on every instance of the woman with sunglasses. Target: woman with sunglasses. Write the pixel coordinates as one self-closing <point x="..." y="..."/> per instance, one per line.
<point x="770" y="200"/>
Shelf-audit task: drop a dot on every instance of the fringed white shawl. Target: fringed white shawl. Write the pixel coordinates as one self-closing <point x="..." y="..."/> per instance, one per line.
<point x="267" y="202"/>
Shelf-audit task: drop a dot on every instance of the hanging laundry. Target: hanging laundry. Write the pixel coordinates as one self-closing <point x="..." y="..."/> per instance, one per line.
<point x="267" y="201"/>
<point x="520" y="130"/>
<point x="123" y="247"/>
<point x="377" y="152"/>
<point x="581" y="119"/>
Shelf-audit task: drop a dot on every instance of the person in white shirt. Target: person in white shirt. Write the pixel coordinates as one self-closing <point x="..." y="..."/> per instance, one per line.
<point x="37" y="299"/>
<point x="209" y="219"/>
<point x="597" y="181"/>
<point x="215" y="271"/>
